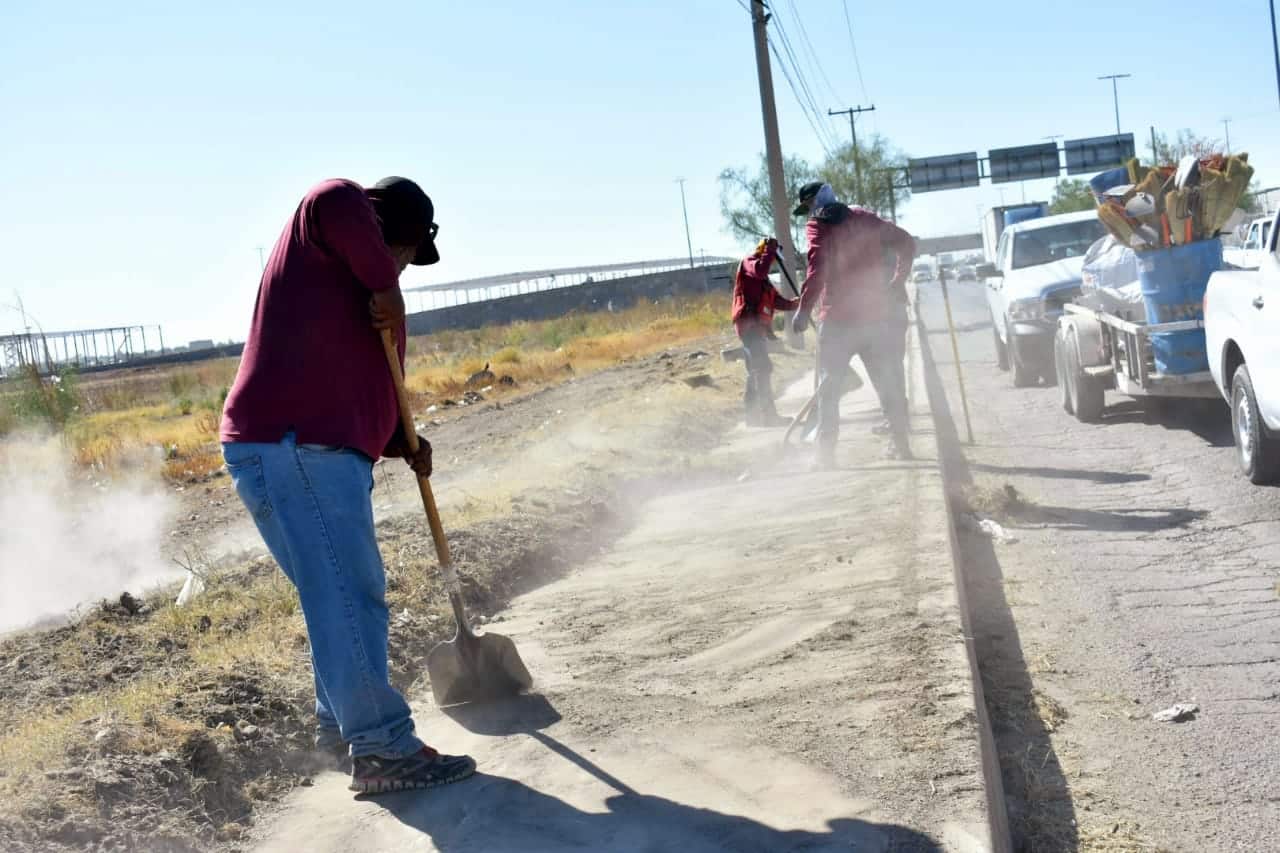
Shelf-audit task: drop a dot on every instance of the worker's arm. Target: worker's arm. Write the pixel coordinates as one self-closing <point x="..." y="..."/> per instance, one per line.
<point x="815" y="275"/>
<point x="903" y="246"/>
<point x="347" y="227"/>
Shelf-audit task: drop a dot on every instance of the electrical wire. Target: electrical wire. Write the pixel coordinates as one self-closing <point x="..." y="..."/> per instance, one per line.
<point x="808" y="102"/>
<point x="795" y="92"/>
<point x="857" y="64"/>
<point x="813" y="54"/>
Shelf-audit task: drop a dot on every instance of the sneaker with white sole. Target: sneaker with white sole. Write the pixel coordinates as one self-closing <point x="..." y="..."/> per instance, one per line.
<point x="374" y="774"/>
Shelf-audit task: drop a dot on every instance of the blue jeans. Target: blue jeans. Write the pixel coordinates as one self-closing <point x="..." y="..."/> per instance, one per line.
<point x="312" y="505"/>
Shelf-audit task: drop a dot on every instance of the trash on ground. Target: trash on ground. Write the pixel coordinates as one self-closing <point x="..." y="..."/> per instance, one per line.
<point x="191" y="590"/>
<point x="1180" y="713"/>
<point x="989" y="527"/>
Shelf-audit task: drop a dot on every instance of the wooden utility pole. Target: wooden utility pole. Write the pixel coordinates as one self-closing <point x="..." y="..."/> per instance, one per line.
<point x="772" y="142"/>
<point x="853" y="112"/>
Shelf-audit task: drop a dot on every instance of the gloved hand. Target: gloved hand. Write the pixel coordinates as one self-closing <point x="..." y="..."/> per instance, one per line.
<point x="800" y="322"/>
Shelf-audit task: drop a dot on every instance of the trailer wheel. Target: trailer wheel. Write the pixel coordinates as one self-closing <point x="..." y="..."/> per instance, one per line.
<point x="1002" y="352"/>
<point x="1258" y="449"/>
<point x="1085" y="392"/>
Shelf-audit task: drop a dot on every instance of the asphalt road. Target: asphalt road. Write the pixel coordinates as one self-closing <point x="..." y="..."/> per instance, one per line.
<point x="1144" y="574"/>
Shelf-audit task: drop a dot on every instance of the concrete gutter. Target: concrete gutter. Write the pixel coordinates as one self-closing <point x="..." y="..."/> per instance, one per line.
<point x="929" y="399"/>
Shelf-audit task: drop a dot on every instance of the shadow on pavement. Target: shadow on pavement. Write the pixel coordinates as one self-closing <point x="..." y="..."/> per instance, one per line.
<point x="1133" y="520"/>
<point x="1208" y="419"/>
<point x="492" y="813"/>
<point x="1036" y="792"/>
<point x="1100" y="477"/>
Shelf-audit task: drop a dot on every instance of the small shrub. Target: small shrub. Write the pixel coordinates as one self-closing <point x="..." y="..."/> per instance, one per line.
<point x="186" y="405"/>
<point x="53" y="400"/>
<point x="507" y="355"/>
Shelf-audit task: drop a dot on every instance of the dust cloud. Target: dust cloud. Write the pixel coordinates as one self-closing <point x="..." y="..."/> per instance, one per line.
<point x="67" y="537"/>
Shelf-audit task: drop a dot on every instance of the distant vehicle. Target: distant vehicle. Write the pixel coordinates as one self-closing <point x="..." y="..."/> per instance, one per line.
<point x="922" y="271"/>
<point x="1249" y="256"/>
<point x="995" y="220"/>
<point x="1241" y="316"/>
<point x="1037" y="270"/>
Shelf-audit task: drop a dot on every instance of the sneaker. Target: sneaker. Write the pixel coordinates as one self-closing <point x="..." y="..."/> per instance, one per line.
<point x="882" y="428"/>
<point x="373" y="774"/>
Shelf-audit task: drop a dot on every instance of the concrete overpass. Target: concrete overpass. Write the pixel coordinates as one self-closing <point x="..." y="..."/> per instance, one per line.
<point x="952" y="243"/>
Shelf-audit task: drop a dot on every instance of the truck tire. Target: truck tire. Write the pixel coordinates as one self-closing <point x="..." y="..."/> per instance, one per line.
<point x="1257" y="449"/>
<point x="1087" y="396"/>
<point x="1023" y="376"/>
<point x="1002" y="352"/>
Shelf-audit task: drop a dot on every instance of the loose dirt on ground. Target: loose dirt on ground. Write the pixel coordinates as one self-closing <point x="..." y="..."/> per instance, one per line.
<point x="143" y="726"/>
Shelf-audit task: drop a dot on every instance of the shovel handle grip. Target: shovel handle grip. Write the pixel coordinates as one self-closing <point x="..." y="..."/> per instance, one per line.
<point x="411" y="439"/>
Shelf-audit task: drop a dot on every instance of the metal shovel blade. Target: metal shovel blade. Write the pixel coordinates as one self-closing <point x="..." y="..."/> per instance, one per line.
<point x="471" y="668"/>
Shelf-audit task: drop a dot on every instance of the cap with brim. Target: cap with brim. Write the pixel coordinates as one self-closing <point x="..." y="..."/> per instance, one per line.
<point x="407" y="216"/>
<point x="806" y="194"/>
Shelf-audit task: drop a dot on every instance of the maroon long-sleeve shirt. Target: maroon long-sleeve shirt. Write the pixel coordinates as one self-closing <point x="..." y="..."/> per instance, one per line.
<point x="846" y="280"/>
<point x="312" y="363"/>
<point x="754" y="297"/>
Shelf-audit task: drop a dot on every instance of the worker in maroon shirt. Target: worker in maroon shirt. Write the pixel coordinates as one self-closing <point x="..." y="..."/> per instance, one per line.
<point x="854" y="300"/>
<point x="313" y="406"/>
<point x="754" y="301"/>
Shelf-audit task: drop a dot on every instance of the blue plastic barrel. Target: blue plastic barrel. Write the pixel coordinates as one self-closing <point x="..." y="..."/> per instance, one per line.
<point x="1173" y="282"/>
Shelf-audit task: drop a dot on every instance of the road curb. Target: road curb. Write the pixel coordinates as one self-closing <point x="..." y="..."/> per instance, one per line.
<point x="927" y="409"/>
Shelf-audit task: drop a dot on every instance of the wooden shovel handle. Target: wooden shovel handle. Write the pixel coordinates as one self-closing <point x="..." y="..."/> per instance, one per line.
<point x="411" y="439"/>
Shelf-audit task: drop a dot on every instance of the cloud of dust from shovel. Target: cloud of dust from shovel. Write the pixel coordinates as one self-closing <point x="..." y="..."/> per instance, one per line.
<point x="67" y="537"/>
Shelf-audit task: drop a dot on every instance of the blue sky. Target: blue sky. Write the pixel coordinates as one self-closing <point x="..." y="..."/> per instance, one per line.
<point x="148" y="152"/>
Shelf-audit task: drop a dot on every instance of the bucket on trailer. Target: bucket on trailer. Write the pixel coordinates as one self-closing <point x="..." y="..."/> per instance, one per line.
<point x="1173" y="283"/>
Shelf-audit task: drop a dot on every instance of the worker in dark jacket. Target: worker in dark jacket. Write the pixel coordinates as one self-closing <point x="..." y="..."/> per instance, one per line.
<point x="313" y="405"/>
<point x="754" y="303"/>
<point x="845" y="291"/>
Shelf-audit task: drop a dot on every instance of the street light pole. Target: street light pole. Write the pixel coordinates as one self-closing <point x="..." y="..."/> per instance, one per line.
<point x="1275" y="45"/>
<point x="1115" y="93"/>
<point x="685" y="208"/>
<point x="1226" y="124"/>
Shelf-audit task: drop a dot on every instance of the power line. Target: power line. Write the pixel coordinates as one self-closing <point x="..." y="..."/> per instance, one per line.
<point x="799" y="72"/>
<point x="795" y="93"/>
<point x="813" y="54"/>
<point x="857" y="64"/>
<point x="828" y="137"/>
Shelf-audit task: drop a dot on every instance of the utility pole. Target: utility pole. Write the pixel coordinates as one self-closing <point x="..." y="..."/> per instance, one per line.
<point x="1275" y="45"/>
<point x="1226" y="124"/>
<point x="772" y="141"/>
<point x="684" y="207"/>
<point x="1155" y="153"/>
<point x="1115" y="94"/>
<point x="853" y="112"/>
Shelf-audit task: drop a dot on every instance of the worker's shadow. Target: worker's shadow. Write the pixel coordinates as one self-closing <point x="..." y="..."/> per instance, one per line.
<point x="495" y="814"/>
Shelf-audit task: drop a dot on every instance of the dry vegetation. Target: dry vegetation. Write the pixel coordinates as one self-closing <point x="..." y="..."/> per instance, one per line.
<point x="169" y="417"/>
<point x="145" y="724"/>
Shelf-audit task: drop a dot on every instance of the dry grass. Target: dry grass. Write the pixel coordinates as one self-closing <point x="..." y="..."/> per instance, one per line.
<point x="168" y="420"/>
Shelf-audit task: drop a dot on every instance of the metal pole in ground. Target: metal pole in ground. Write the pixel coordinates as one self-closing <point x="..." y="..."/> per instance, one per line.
<point x="955" y="352"/>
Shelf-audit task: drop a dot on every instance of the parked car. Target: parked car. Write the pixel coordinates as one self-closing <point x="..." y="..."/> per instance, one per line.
<point x="1241" y="316"/>
<point x="1036" y="270"/>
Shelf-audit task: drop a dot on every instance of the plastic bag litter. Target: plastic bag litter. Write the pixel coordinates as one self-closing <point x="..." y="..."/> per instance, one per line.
<point x="1179" y="713"/>
<point x="1109" y="280"/>
<point x="191" y="590"/>
<point x="988" y="526"/>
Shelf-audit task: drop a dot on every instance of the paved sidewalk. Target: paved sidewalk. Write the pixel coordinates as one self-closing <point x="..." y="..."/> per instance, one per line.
<point x="771" y="665"/>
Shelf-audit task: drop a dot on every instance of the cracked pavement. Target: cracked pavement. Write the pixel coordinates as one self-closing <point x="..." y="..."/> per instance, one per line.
<point x="1145" y="574"/>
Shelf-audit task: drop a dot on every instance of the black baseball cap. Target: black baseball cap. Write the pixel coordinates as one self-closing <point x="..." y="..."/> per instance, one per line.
<point x="407" y="216"/>
<point x="807" y="192"/>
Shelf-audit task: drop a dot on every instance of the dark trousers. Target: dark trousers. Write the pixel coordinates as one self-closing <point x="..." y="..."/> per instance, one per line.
<point x="882" y="347"/>
<point x="758" y="398"/>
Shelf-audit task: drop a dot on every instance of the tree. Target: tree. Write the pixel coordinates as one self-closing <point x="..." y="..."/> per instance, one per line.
<point x="1071" y="195"/>
<point x="881" y="167"/>
<point x="746" y="202"/>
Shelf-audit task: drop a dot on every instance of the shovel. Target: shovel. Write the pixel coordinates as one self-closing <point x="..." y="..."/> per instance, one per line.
<point x="471" y="667"/>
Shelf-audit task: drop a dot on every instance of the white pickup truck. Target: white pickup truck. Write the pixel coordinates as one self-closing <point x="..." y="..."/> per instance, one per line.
<point x="1242" y="334"/>
<point x="1249" y="255"/>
